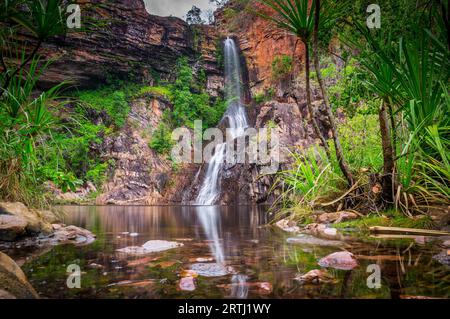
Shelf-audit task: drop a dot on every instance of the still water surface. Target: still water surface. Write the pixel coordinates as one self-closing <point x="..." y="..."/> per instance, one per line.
<point x="259" y="261"/>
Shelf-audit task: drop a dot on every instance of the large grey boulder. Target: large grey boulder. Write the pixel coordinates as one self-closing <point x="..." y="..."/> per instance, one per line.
<point x="17" y="220"/>
<point x="13" y="282"/>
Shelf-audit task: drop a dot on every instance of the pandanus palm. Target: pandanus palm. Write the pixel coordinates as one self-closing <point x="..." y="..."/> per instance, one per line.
<point x="42" y="19"/>
<point x="303" y="20"/>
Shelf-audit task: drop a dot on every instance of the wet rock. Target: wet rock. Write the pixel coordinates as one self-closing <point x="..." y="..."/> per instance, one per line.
<point x="187" y="284"/>
<point x="6" y="295"/>
<point x="287" y="225"/>
<point x="443" y="257"/>
<point x="16" y="220"/>
<point x="310" y="240"/>
<point x="72" y="235"/>
<point x="12" y="227"/>
<point x="334" y="218"/>
<point x="13" y="282"/>
<point x="211" y="269"/>
<point x="149" y="247"/>
<point x="315" y="276"/>
<point x="342" y="260"/>
<point x="322" y="230"/>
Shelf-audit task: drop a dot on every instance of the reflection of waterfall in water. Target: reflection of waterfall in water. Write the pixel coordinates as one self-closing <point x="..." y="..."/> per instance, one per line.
<point x="239" y="287"/>
<point x="209" y="218"/>
<point x="237" y="122"/>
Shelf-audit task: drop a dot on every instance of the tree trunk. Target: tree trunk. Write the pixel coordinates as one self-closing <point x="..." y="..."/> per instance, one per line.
<point x="388" y="156"/>
<point x="337" y="142"/>
<point x="311" y="110"/>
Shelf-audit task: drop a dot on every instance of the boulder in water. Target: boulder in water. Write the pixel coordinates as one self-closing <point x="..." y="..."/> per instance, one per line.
<point x="211" y="269"/>
<point x="152" y="246"/>
<point x="328" y="218"/>
<point x="287" y="225"/>
<point x="315" y="276"/>
<point x="309" y="240"/>
<point x="187" y="284"/>
<point x="342" y="260"/>
<point x="13" y="282"/>
<point x="443" y="257"/>
<point x="16" y="220"/>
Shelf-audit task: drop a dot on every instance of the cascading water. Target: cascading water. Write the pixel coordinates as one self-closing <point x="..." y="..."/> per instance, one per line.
<point x="235" y="117"/>
<point x="236" y="120"/>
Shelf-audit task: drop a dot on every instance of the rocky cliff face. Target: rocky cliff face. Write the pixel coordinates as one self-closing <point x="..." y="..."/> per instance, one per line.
<point x="284" y="103"/>
<point x="145" y="48"/>
<point x="128" y="43"/>
<point x="140" y="175"/>
<point x="260" y="43"/>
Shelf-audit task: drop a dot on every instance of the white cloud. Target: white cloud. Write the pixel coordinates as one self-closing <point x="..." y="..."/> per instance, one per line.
<point x="177" y="8"/>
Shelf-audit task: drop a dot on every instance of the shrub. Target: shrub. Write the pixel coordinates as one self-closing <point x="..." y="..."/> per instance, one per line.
<point x="281" y="66"/>
<point x="161" y="140"/>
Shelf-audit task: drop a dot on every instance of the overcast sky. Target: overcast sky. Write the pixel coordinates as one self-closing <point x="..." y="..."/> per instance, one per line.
<point x="177" y="8"/>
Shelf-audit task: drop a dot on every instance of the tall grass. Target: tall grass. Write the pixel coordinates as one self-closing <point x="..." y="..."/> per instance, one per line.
<point x="25" y="129"/>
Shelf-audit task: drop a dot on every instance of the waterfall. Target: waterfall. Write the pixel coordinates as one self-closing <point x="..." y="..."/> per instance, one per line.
<point x="236" y="120"/>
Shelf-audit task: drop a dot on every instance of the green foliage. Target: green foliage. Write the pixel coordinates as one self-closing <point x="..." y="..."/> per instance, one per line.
<point x="188" y="106"/>
<point x="310" y="179"/>
<point x="161" y="140"/>
<point x="360" y="139"/>
<point x="412" y="79"/>
<point x="162" y="91"/>
<point x="281" y="66"/>
<point x="264" y="96"/>
<point x="64" y="181"/>
<point x="295" y="17"/>
<point x="97" y="174"/>
<point x="113" y="102"/>
<point x="26" y="124"/>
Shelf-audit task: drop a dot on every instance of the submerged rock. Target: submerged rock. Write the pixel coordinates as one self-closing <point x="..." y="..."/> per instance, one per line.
<point x="287" y="225"/>
<point x="187" y="284"/>
<point x="152" y="246"/>
<point x="342" y="260"/>
<point x="11" y="227"/>
<point x="443" y="257"/>
<point x="310" y="240"/>
<point x="72" y="235"/>
<point x="13" y="282"/>
<point x="322" y="230"/>
<point x="315" y="276"/>
<point x="211" y="269"/>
